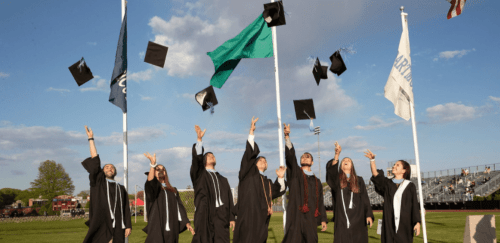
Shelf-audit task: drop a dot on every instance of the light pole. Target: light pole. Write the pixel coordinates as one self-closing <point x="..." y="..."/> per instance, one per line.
<point x="317" y="132"/>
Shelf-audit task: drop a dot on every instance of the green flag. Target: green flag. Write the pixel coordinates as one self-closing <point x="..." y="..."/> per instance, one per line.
<point x="255" y="41"/>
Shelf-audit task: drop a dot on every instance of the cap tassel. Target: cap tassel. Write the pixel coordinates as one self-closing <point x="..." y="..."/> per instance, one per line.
<point x="81" y="65"/>
<point x="316" y="214"/>
<point x="211" y="106"/>
<point x="304" y="208"/>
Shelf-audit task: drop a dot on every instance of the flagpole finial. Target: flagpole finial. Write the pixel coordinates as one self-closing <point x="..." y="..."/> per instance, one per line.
<point x="402" y="8"/>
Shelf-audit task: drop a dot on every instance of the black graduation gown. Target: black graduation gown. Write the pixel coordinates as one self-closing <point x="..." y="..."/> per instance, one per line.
<point x="410" y="211"/>
<point x="100" y="224"/>
<point x="357" y="231"/>
<point x="210" y="223"/>
<point x="253" y="222"/>
<point x="302" y="227"/>
<point x="157" y="214"/>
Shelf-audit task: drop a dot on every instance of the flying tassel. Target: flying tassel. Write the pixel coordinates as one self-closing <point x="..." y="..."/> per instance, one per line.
<point x="211" y="106"/>
<point x="82" y="64"/>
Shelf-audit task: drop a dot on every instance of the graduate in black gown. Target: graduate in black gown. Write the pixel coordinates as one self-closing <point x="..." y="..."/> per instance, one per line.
<point x="213" y="198"/>
<point x="352" y="210"/>
<point x="167" y="217"/>
<point x="109" y="212"/>
<point x="306" y="210"/>
<point x="256" y="191"/>
<point x="401" y="215"/>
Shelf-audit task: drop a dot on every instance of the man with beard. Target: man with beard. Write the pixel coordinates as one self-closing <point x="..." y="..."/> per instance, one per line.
<point x="305" y="210"/>
<point x="109" y="212"/>
<point x="213" y="198"/>
<point x="254" y="206"/>
<point x="167" y="217"/>
<point x="353" y="210"/>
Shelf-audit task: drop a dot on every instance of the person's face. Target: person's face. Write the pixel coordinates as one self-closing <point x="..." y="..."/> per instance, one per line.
<point x="160" y="172"/>
<point x="262" y="164"/>
<point x="211" y="159"/>
<point x="397" y="169"/>
<point x="306" y="160"/>
<point x="346" y="165"/>
<point x="109" y="171"/>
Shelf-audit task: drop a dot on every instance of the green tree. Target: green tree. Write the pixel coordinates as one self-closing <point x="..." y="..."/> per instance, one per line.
<point x="52" y="180"/>
<point x="84" y="194"/>
<point x="131" y="196"/>
<point x="8" y="196"/>
<point x="88" y="204"/>
<point x="25" y="195"/>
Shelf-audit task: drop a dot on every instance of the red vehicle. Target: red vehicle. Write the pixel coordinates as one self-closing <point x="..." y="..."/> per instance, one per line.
<point x="18" y="212"/>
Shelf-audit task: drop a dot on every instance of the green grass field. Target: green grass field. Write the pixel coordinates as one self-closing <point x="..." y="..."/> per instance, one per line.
<point x="441" y="227"/>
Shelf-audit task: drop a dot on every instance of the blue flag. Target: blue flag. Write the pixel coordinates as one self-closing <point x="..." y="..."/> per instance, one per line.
<point x="118" y="95"/>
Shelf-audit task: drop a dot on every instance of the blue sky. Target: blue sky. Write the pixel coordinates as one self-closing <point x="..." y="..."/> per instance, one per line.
<point x="43" y="111"/>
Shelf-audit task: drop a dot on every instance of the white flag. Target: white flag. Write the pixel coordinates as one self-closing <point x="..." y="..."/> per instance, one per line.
<point x="398" y="88"/>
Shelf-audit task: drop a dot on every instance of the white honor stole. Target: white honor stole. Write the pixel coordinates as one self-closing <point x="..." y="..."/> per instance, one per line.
<point x="397" y="202"/>
<point x="167" y="226"/>
<point x="112" y="212"/>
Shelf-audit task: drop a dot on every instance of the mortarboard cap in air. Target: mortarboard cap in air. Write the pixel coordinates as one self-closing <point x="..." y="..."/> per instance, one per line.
<point x="338" y="65"/>
<point x="156" y="54"/>
<point x="206" y="98"/>
<point x="81" y="73"/>
<point x="304" y="109"/>
<point x="319" y="72"/>
<point x="274" y="14"/>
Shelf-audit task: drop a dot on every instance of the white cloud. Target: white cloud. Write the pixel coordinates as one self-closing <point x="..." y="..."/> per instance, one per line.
<point x="452" y="112"/>
<point x="142" y="54"/>
<point x="452" y="54"/>
<point x="146" y="98"/>
<point x="496" y="99"/>
<point x="4" y="75"/>
<point x="141" y="76"/>
<point x="57" y="90"/>
<point x="376" y="122"/>
<point x="98" y="84"/>
<point x="92" y="43"/>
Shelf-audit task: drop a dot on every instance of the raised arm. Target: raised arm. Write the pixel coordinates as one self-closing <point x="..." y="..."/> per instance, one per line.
<point x="197" y="166"/>
<point x="279" y="186"/>
<point x="248" y="162"/>
<point x="373" y="166"/>
<point x="152" y="159"/>
<point x="332" y="170"/>
<point x="293" y="169"/>
<point x="90" y="135"/>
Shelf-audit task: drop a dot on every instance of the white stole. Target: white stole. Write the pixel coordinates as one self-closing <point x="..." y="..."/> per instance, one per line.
<point x="343" y="203"/>
<point x="397" y="202"/>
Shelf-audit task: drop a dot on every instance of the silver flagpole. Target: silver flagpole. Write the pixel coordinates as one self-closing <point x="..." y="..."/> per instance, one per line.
<point x="415" y="144"/>
<point x="278" y="107"/>
<point x="125" y="145"/>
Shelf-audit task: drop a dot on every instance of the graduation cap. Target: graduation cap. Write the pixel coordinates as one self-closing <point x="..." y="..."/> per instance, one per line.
<point x="304" y="109"/>
<point x="81" y="73"/>
<point x="274" y="14"/>
<point x="319" y="72"/>
<point x="206" y="98"/>
<point x="156" y="54"/>
<point x="338" y="65"/>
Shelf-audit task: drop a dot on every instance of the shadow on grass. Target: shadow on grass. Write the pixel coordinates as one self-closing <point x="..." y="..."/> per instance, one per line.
<point x="430" y="222"/>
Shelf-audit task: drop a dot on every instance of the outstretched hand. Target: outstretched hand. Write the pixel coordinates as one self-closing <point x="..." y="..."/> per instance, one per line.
<point x="152" y="158"/>
<point x="369" y="154"/>
<point x="286" y="129"/>
<point x="252" y="127"/>
<point x="281" y="172"/>
<point x="90" y="134"/>
<point x="190" y="228"/>
<point x="338" y="149"/>
<point x="199" y="133"/>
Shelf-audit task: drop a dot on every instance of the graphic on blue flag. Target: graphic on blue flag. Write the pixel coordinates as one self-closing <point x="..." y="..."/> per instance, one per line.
<point x="118" y="95"/>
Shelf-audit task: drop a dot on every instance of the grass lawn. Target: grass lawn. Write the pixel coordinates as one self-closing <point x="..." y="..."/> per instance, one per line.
<point x="441" y="227"/>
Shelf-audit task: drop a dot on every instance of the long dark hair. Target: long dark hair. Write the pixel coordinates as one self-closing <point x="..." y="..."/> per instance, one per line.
<point x="407" y="167"/>
<point x="168" y="186"/>
<point x="353" y="177"/>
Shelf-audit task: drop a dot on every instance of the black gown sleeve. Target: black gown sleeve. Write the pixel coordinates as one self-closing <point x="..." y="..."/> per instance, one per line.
<point x="197" y="166"/>
<point x="321" y="206"/>
<point x="380" y="182"/>
<point x="332" y="175"/>
<point x="248" y="162"/>
<point x="415" y="206"/>
<point x="184" y="217"/>
<point x="127" y="220"/>
<point x="275" y="189"/>
<point x="293" y="170"/>
<point x="365" y="200"/>
<point x="93" y="166"/>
